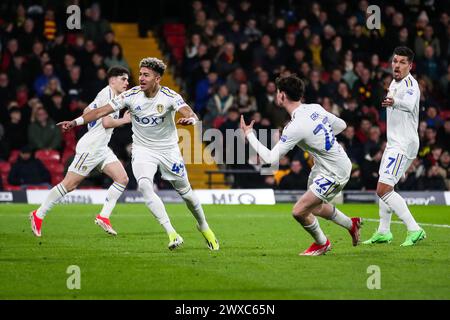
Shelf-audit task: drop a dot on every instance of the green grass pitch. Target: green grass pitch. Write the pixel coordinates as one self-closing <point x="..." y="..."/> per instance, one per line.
<point x="258" y="257"/>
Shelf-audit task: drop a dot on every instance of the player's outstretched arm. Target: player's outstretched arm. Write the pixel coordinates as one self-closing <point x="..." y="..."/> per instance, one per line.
<point x="188" y="116"/>
<point x="92" y="115"/>
<point x="109" y="122"/>
<point x="268" y="156"/>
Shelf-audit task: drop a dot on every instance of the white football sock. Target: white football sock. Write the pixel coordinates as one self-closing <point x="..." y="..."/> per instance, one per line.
<point x="114" y="193"/>
<point x="56" y="193"/>
<point x="385" y="217"/>
<point x="317" y="233"/>
<point x="194" y="205"/>
<point x="398" y="204"/>
<point x="341" y="219"/>
<point x="154" y="203"/>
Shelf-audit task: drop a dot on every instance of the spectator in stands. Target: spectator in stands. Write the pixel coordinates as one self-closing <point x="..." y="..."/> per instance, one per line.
<point x="6" y="95"/>
<point x="43" y="133"/>
<point x="427" y="39"/>
<point x="284" y="168"/>
<point x="75" y="86"/>
<point x="41" y="82"/>
<point x="19" y="72"/>
<point x="333" y="56"/>
<point x="245" y="102"/>
<point x="57" y="107"/>
<point x="15" y="128"/>
<point x="433" y="119"/>
<point x="374" y="139"/>
<point x="362" y="134"/>
<point x="355" y="182"/>
<point x="115" y="57"/>
<point x="217" y="107"/>
<point x="28" y="170"/>
<point x="429" y="64"/>
<point x="95" y="27"/>
<point x="351" y="144"/>
<point x="296" y="179"/>
<point x="370" y="168"/>
<point x="435" y="179"/>
<point x="50" y="26"/>
<point x="443" y="135"/>
<point x="205" y="90"/>
<point x="12" y="48"/>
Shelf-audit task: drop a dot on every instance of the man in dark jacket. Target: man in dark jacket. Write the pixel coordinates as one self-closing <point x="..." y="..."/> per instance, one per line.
<point x="28" y="170"/>
<point x="297" y="179"/>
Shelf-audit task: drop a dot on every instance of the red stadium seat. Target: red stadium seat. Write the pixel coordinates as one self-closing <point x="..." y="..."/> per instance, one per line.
<point x="5" y="167"/>
<point x="174" y="29"/>
<point x="67" y="154"/>
<point x="13" y="156"/>
<point x="56" y="178"/>
<point x="9" y="187"/>
<point x="31" y="187"/>
<point x="48" y="155"/>
<point x="176" y="41"/>
<point x="55" y="167"/>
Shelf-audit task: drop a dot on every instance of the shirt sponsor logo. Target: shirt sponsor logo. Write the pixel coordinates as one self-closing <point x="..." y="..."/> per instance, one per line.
<point x="150" y="121"/>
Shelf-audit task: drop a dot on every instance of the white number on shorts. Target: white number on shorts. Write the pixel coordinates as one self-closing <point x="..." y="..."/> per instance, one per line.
<point x="178" y="168"/>
<point x="324" y="184"/>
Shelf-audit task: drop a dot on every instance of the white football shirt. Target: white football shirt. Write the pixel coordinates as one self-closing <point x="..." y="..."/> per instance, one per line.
<point x="403" y="116"/>
<point x="97" y="137"/>
<point x="153" y="119"/>
<point x="311" y="129"/>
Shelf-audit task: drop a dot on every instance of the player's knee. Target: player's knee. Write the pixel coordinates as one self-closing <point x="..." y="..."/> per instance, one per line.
<point x="298" y="212"/>
<point x="145" y="186"/>
<point x="123" y="180"/>
<point x="382" y="189"/>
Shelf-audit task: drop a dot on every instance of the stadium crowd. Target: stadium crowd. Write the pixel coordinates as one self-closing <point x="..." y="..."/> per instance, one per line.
<point x="233" y="53"/>
<point x="235" y="50"/>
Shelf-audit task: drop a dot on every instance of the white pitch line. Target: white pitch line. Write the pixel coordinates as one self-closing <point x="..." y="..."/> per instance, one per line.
<point x="422" y="224"/>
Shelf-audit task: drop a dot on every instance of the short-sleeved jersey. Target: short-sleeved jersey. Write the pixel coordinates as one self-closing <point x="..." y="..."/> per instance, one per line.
<point x="97" y="137"/>
<point x="403" y="116"/>
<point x="153" y="119"/>
<point x="311" y="129"/>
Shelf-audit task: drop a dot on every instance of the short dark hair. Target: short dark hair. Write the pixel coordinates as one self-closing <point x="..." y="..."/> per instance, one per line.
<point x="293" y="86"/>
<point x="116" y="71"/>
<point x="406" y="52"/>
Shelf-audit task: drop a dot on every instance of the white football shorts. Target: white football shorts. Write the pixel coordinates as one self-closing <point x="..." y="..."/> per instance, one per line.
<point x="85" y="162"/>
<point x="169" y="162"/>
<point x="324" y="184"/>
<point x="393" y="166"/>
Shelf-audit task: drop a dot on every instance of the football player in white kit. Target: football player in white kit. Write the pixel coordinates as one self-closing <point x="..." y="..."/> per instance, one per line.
<point x="155" y="144"/>
<point x="402" y="107"/>
<point x="313" y="129"/>
<point x="92" y="152"/>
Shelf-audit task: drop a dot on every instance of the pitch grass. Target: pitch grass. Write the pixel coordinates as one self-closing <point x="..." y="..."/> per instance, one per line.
<point x="258" y="257"/>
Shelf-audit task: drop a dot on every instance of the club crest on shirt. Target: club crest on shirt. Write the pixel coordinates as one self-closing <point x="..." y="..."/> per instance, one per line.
<point x="160" y="108"/>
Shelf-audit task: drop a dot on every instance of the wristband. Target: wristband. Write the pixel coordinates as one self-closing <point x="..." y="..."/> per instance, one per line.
<point x="79" y="121"/>
<point x="193" y="121"/>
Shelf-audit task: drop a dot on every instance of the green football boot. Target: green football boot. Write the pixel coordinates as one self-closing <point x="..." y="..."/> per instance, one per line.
<point x="378" y="237"/>
<point x="413" y="237"/>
